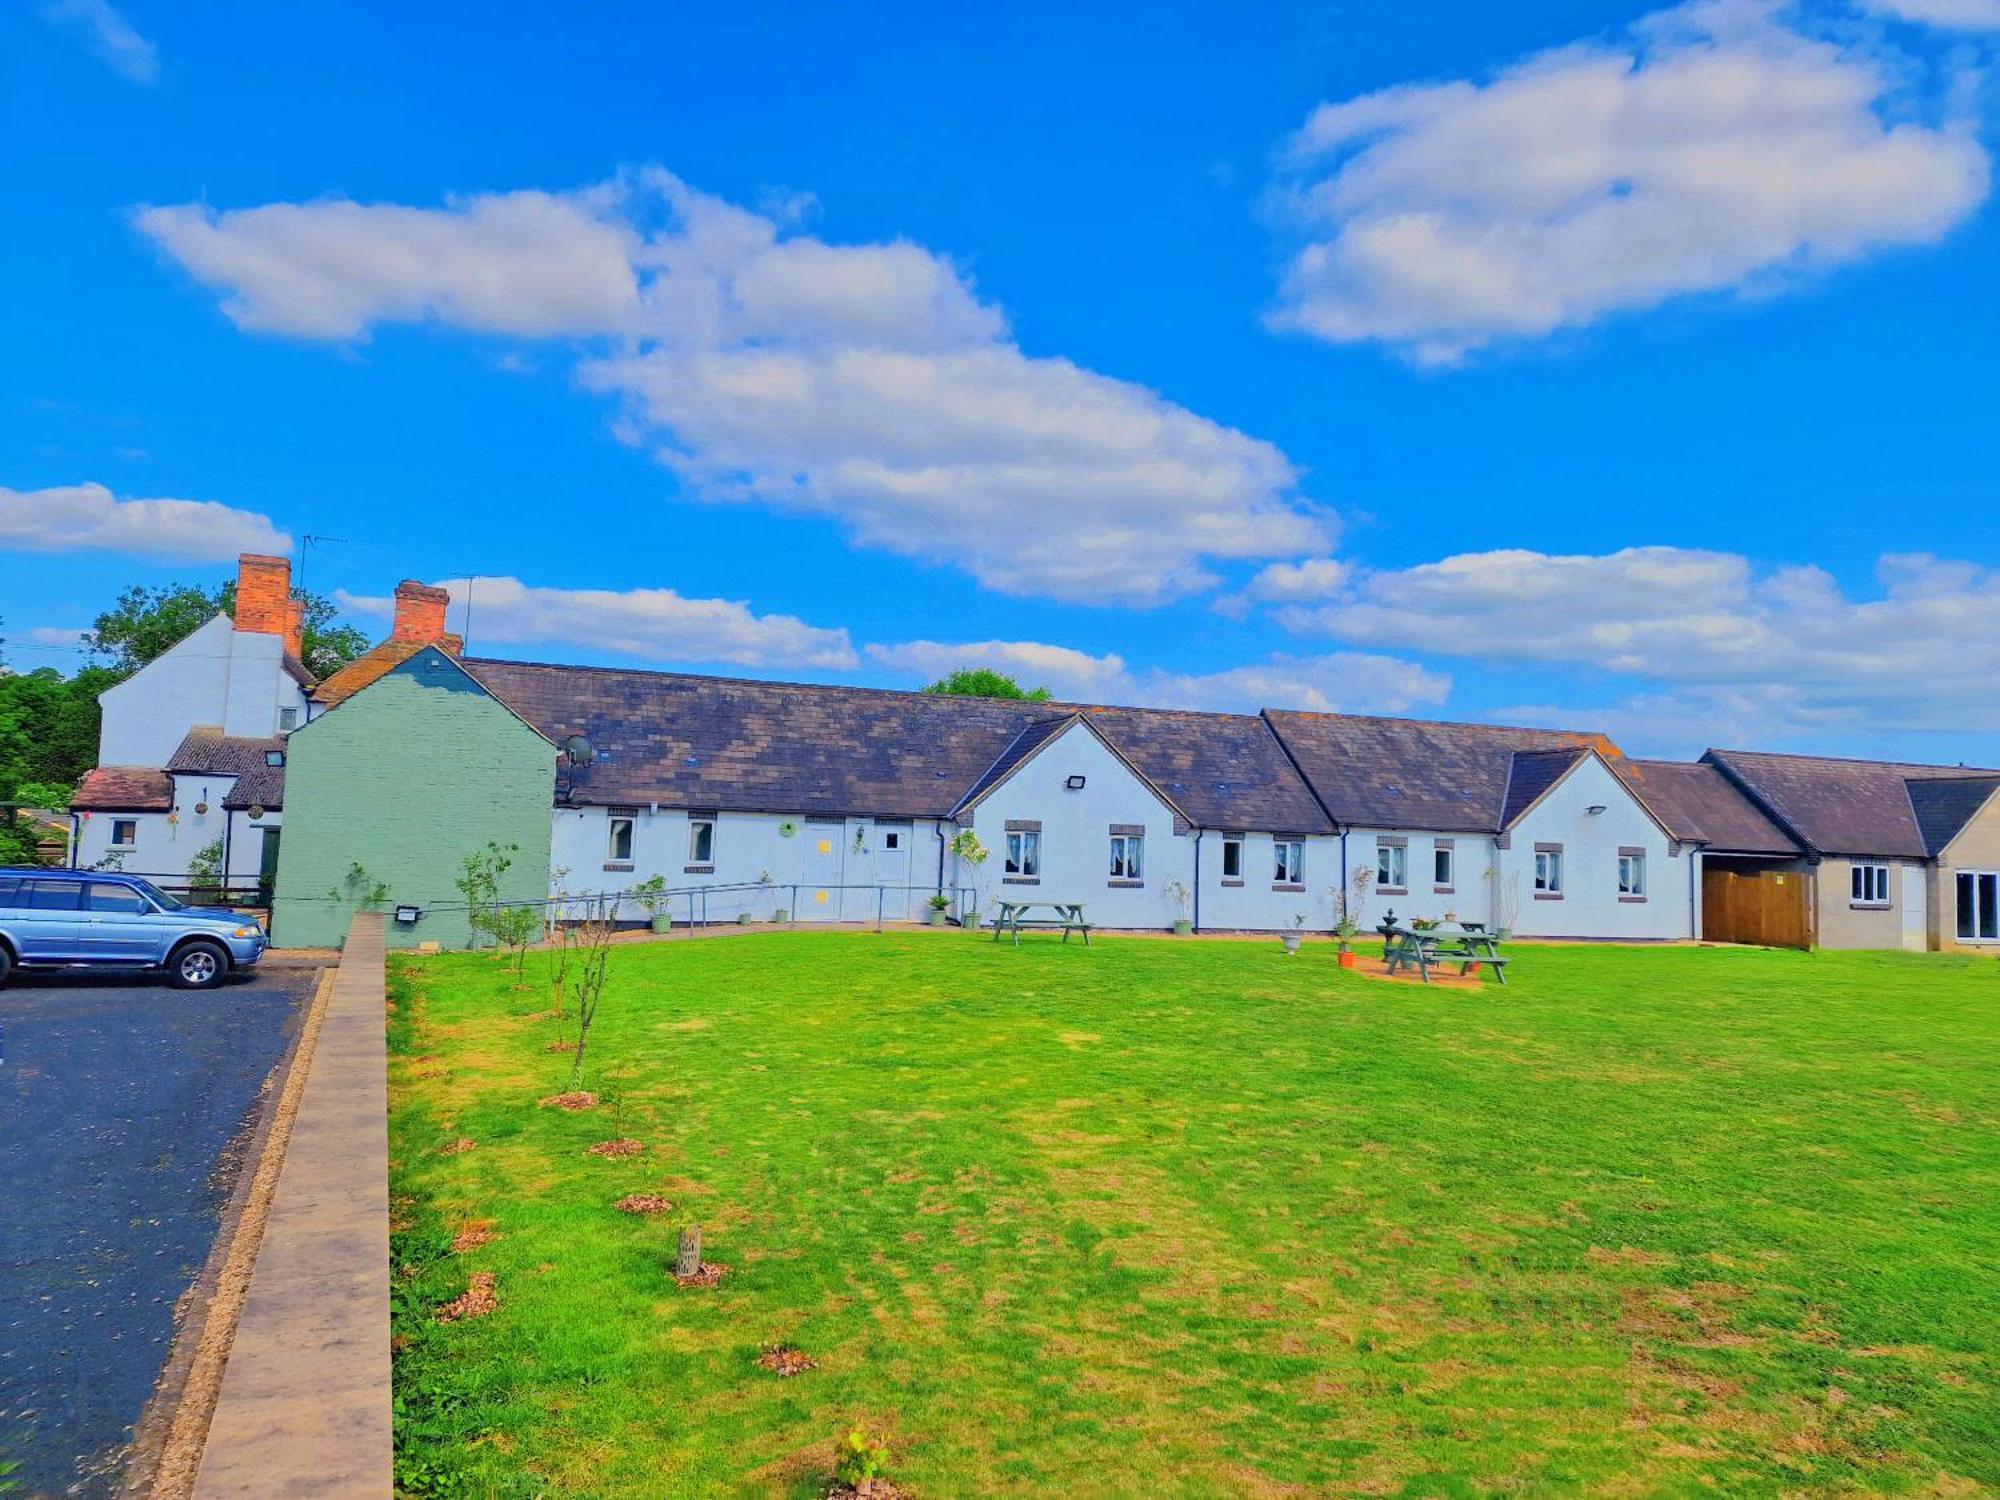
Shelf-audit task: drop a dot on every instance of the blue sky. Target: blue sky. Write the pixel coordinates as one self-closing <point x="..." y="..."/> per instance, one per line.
<point x="1613" y="368"/>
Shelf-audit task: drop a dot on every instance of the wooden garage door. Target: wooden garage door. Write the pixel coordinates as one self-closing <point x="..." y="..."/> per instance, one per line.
<point x="1768" y="908"/>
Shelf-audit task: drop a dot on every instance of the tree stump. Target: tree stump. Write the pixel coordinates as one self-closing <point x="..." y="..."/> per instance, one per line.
<point x="687" y="1261"/>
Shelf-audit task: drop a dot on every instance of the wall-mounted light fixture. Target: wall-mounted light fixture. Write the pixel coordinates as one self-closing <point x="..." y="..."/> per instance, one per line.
<point x="409" y="915"/>
<point x="1075" y="783"/>
<point x="1595" y="811"/>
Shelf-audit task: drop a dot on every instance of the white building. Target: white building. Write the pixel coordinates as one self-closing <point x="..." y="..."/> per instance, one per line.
<point x="191" y="748"/>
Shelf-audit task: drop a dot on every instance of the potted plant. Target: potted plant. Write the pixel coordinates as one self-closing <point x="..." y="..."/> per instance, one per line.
<point x="651" y="894"/>
<point x="1345" y="931"/>
<point x="782" y="915"/>
<point x="1181" y="896"/>
<point x="939" y="905"/>
<point x="1297" y="935"/>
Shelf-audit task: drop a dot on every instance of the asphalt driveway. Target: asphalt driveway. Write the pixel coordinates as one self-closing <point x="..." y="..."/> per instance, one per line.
<point x="123" y="1113"/>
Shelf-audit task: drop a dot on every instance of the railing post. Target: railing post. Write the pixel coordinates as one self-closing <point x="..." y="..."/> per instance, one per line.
<point x="879" y="893"/>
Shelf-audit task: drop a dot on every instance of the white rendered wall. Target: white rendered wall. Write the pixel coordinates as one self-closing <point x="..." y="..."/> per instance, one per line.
<point x="1590" y="904"/>
<point x="1076" y="835"/>
<point x="166" y="842"/>
<point x="752" y="849"/>
<point x="217" y="675"/>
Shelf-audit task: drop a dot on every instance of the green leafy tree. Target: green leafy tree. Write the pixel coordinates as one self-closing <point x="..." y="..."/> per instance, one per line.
<point x="984" y="682"/>
<point x="146" y="622"/>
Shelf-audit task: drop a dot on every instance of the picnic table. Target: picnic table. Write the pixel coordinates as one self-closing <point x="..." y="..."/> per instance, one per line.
<point x="1468" y="945"/>
<point x="1015" y="915"/>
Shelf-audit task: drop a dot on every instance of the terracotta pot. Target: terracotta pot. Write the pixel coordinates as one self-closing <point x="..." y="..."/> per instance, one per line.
<point x="1347" y="959"/>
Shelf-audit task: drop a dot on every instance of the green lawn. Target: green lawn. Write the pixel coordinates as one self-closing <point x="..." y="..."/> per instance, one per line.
<point x="1194" y="1218"/>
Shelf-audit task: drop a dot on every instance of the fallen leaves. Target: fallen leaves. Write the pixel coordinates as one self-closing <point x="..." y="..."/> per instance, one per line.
<point x="785" y="1361"/>
<point x="476" y="1301"/>
<point x="458" y="1147"/>
<point x="623" y="1146"/>
<point x="642" y="1203"/>
<point x="472" y="1236"/>
<point x="709" y="1274"/>
<point x="572" y="1102"/>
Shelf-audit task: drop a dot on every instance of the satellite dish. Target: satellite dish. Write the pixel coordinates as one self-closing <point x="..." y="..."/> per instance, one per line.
<point x="787" y="828"/>
<point x="576" y="751"/>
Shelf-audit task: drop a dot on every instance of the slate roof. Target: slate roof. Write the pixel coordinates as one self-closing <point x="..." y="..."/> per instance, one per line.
<point x="686" y="740"/>
<point x="1700" y="805"/>
<point x="1412" y="773"/>
<point x="206" y="750"/>
<point x="1225" y="771"/>
<point x="694" y="741"/>
<point x="1945" y="804"/>
<point x="1841" y="806"/>
<point x="124" y="789"/>
<point x="1533" y="772"/>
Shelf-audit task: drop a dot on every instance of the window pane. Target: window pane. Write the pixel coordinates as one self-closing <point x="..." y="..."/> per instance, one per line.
<point x="116" y="898"/>
<point x="1441" y="867"/>
<point x="1989" y="906"/>
<point x="1232" y="859"/>
<point x="619" y="845"/>
<point x="701" y="842"/>
<point x="1968" y="900"/>
<point x="1134" y="859"/>
<point x="1031" y="854"/>
<point x="52" y="895"/>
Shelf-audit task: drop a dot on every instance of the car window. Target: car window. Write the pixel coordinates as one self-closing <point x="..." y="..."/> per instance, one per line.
<point x="9" y="884"/>
<point x="50" y="895"/>
<point x="160" y="898"/>
<point x="116" y="898"/>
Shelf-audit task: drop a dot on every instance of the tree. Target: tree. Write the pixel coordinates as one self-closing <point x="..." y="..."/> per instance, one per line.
<point x="146" y="622"/>
<point x="984" y="682"/>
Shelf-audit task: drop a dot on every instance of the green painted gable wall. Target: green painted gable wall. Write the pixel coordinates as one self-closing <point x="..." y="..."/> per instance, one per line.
<point x="406" y="778"/>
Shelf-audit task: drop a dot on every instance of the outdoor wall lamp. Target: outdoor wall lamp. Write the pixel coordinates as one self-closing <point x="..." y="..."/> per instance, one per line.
<point x="1075" y="783"/>
<point x="1595" y="811"/>
<point x="409" y="915"/>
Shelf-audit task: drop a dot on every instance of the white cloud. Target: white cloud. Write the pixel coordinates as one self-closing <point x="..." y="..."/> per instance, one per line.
<point x="656" y="624"/>
<point x="530" y="264"/>
<point x="88" y="517"/>
<point x="1924" y="653"/>
<point x="1711" y="149"/>
<point x="863" y="382"/>
<point x="1956" y="15"/>
<point x="1341" y="681"/>
<point x="109" y="35"/>
<point x="51" y="635"/>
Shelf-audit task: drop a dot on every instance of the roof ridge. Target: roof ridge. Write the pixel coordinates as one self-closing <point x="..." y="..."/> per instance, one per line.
<point x="1317" y="713"/>
<point x="1859" y="760"/>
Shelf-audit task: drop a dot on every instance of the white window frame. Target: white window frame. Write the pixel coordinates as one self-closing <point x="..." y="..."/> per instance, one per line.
<point x="1392" y="867"/>
<point x="1232" y="854"/>
<point x="1548" y="873"/>
<point x="1444" y="866"/>
<point x="288" y="720"/>
<point x="698" y="829"/>
<point x="1288" y="864"/>
<point x="1128" y="856"/>
<point x="1985" y="913"/>
<point x="1024" y="853"/>
<point x="612" y="823"/>
<point x="1868" y="885"/>
<point x="118" y="843"/>
<point x="1632" y="876"/>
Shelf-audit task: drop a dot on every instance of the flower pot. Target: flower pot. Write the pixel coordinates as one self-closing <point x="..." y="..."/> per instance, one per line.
<point x="661" y="922"/>
<point x="934" y="917"/>
<point x="1503" y="933"/>
<point x="1291" y="940"/>
<point x="1347" y="958"/>
<point x="782" y="915"/>
<point x="1182" y="927"/>
<point x="743" y="919"/>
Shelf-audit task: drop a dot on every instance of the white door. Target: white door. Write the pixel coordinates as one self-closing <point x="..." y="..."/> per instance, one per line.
<point x="893" y="858"/>
<point x="1916" y="923"/>
<point x="819" y="897"/>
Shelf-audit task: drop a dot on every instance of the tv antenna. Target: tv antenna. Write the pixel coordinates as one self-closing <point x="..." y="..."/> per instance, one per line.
<point x="306" y="544"/>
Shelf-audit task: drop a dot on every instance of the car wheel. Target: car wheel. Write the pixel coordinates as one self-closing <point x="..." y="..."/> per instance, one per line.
<point x="198" y="966"/>
<point x="6" y="963"/>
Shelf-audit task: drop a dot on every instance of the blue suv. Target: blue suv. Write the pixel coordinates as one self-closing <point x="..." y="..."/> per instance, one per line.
<point x="87" y="919"/>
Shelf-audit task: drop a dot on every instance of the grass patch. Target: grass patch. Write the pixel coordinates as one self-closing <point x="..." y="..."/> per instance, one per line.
<point x="1198" y="1219"/>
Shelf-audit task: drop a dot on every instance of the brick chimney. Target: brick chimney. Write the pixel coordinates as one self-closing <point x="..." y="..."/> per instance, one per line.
<point x="264" y="595"/>
<point x="295" y="628"/>
<point x="419" y="613"/>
